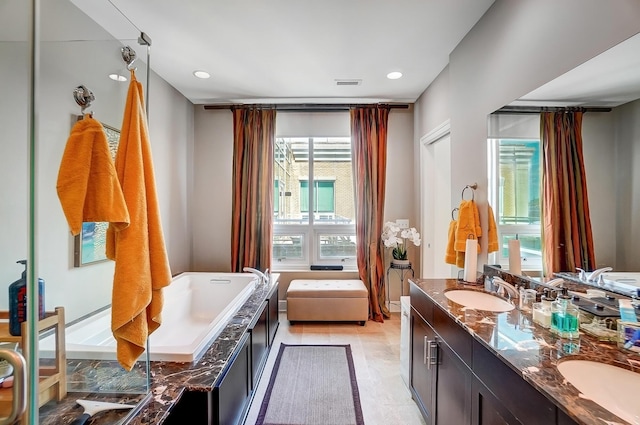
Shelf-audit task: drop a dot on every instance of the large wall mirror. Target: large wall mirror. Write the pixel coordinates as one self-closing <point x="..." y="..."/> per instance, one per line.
<point x="609" y="84"/>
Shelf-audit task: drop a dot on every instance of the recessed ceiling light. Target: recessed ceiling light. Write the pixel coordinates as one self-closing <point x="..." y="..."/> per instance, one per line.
<point x="201" y="74"/>
<point x="394" y="75"/>
<point x="117" y="77"/>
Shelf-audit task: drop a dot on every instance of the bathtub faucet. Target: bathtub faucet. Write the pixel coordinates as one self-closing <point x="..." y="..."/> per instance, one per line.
<point x="262" y="276"/>
<point x="593" y="277"/>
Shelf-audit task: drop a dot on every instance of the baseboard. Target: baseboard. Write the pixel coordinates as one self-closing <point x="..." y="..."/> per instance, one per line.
<point x="282" y="305"/>
<point x="394" y="307"/>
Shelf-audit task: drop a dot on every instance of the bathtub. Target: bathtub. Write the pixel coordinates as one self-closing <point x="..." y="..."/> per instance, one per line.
<point x="197" y="307"/>
<point x="626" y="282"/>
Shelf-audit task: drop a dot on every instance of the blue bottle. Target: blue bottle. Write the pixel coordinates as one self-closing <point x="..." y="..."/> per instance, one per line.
<point x="18" y="301"/>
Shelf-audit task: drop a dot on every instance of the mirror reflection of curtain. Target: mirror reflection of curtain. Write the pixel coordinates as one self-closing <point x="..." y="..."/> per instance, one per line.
<point x="252" y="205"/>
<point x="566" y="231"/>
<point x="369" y="147"/>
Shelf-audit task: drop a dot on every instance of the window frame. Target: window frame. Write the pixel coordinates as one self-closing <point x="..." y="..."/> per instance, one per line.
<point x="312" y="230"/>
<point x="505" y="230"/>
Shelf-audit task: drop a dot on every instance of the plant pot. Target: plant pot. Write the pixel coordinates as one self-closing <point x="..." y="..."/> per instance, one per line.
<point x="404" y="263"/>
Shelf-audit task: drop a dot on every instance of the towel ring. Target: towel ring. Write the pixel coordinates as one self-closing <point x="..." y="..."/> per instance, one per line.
<point x="452" y="211"/>
<point x="473" y="191"/>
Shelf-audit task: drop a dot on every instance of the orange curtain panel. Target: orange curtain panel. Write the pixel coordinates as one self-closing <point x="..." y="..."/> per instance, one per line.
<point x="369" y="153"/>
<point x="252" y="209"/>
<point x="566" y="231"/>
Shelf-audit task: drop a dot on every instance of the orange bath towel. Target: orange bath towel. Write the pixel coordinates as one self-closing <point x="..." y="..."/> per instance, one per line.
<point x="492" y="235"/>
<point x="87" y="184"/>
<point x="142" y="267"/>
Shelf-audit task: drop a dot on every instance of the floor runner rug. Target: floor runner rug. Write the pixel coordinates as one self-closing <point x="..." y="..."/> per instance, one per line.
<point x="312" y="385"/>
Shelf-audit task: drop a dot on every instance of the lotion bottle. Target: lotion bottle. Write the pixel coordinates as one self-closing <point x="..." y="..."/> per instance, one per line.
<point x="18" y="302"/>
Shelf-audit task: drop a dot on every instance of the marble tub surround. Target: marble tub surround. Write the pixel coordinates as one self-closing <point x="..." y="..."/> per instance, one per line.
<point x="530" y="350"/>
<point x="169" y="380"/>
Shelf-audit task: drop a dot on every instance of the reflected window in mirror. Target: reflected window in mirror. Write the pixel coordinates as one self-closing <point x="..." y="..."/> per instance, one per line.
<point x="514" y="187"/>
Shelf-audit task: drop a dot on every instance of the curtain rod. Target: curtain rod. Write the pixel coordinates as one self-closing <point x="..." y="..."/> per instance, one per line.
<point x="538" y="109"/>
<point x="308" y="107"/>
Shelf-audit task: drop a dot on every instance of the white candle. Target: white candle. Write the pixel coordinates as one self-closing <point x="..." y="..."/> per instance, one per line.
<point x="515" y="262"/>
<point x="470" y="260"/>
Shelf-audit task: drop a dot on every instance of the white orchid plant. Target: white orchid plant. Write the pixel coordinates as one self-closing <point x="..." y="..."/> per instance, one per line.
<point x="396" y="237"/>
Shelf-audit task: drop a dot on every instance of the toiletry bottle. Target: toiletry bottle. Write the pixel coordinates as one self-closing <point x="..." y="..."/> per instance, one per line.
<point x="564" y="316"/>
<point x="542" y="311"/>
<point x="18" y="301"/>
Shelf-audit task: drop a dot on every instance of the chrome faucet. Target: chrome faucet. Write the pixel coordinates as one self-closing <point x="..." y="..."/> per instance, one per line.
<point x="555" y="282"/>
<point x="593" y="277"/>
<point x="583" y="275"/>
<point x="505" y="287"/>
<point x="262" y="276"/>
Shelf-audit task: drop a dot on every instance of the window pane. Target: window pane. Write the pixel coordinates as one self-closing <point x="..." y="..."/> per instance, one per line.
<point x="304" y="196"/>
<point x="288" y="247"/>
<point x="290" y="167"/>
<point x="337" y="246"/>
<point x="333" y="198"/>
<point x="519" y="190"/>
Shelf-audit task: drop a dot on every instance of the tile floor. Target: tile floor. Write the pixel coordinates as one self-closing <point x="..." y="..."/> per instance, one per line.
<point x="376" y="355"/>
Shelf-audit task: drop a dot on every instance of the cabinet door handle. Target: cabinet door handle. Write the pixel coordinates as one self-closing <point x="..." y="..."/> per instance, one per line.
<point x="432" y="357"/>
<point x="429" y="358"/>
<point x="424" y="350"/>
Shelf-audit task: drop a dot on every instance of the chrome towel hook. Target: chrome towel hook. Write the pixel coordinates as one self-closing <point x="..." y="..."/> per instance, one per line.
<point x="83" y="97"/>
<point x="129" y="56"/>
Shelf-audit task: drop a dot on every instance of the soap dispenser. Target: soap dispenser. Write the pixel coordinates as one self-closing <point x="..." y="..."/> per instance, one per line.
<point x="565" y="316"/>
<point x="542" y="310"/>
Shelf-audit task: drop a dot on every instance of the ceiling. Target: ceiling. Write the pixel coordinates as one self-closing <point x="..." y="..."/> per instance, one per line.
<point x="608" y="80"/>
<point x="294" y="51"/>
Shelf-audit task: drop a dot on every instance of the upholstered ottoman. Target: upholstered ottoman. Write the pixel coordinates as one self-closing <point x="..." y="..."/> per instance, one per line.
<point x="327" y="300"/>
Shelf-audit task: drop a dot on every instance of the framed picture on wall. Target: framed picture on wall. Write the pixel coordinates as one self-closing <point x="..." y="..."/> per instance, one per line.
<point x="90" y="245"/>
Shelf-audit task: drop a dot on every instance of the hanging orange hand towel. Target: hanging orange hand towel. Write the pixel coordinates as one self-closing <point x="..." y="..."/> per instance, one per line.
<point x="142" y="267"/>
<point x="87" y="184"/>
<point x="450" y="256"/>
<point x="492" y="232"/>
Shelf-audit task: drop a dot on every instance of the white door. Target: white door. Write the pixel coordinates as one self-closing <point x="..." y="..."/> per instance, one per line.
<point x="436" y="201"/>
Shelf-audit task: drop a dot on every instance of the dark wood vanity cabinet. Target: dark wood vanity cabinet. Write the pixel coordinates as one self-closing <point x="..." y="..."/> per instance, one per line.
<point x="259" y="334"/>
<point x="468" y="385"/>
<point x="422" y="372"/>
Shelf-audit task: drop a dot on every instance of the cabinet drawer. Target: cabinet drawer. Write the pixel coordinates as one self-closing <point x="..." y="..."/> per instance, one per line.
<point x="523" y="401"/>
<point x="421" y="302"/>
<point x="453" y="335"/>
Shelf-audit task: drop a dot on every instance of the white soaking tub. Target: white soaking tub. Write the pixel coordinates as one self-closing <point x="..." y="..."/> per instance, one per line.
<point x="197" y="307"/>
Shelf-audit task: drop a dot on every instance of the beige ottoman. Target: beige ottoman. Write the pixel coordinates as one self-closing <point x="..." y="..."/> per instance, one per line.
<point x="327" y="300"/>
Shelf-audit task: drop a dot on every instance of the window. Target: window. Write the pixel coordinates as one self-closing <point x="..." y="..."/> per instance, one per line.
<point x="314" y="210"/>
<point x="515" y="196"/>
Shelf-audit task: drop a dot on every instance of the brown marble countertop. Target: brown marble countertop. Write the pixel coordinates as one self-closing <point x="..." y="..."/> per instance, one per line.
<point x="169" y="380"/>
<point x="533" y="351"/>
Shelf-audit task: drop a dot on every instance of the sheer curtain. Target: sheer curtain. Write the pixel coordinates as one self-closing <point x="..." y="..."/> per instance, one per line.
<point x="252" y="209"/>
<point x="369" y="153"/>
<point x="566" y="231"/>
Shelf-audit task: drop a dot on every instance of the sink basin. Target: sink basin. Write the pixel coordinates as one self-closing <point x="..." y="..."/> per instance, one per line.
<point x="478" y="300"/>
<point x="612" y="387"/>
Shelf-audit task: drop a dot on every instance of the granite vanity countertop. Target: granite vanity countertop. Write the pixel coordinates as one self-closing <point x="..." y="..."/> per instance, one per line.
<point x="168" y="379"/>
<point x="533" y="351"/>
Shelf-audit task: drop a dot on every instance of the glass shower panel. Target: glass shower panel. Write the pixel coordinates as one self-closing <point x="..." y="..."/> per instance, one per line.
<point x="78" y="55"/>
<point x="15" y="104"/>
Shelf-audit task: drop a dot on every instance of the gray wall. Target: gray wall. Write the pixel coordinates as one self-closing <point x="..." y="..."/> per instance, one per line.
<point x="513" y="49"/>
